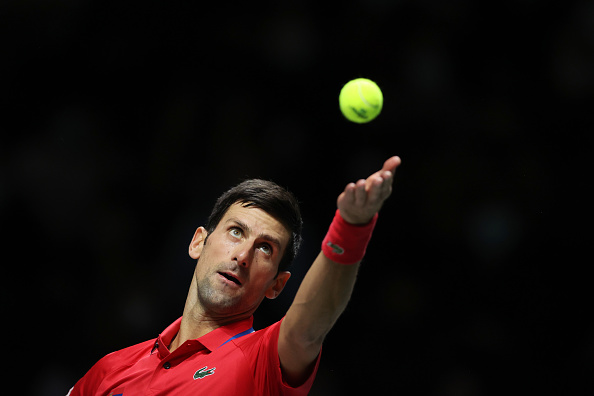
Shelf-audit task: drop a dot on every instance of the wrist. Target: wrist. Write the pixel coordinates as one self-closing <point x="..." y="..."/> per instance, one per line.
<point x="346" y="243"/>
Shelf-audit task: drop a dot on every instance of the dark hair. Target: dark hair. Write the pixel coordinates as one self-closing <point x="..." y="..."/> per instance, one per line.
<point x="271" y="198"/>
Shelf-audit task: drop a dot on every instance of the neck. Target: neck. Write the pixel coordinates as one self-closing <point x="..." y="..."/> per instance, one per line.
<point x="196" y="322"/>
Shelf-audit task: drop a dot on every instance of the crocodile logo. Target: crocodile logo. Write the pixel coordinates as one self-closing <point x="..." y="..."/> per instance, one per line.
<point x="204" y="372"/>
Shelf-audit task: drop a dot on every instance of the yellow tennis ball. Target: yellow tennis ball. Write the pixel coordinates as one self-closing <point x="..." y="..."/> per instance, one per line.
<point x="360" y="100"/>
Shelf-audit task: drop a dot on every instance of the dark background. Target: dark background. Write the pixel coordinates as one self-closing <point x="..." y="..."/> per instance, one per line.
<point x="123" y="121"/>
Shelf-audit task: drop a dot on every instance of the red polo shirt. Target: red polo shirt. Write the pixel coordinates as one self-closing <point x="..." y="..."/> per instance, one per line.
<point x="214" y="364"/>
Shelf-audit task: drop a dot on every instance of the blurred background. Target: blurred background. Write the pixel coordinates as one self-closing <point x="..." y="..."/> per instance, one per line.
<point x="123" y="121"/>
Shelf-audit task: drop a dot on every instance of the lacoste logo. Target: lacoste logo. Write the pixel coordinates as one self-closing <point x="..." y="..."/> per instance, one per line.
<point x="335" y="248"/>
<point x="204" y="372"/>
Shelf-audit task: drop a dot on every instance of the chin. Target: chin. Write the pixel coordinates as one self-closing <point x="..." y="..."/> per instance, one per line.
<point x="218" y="301"/>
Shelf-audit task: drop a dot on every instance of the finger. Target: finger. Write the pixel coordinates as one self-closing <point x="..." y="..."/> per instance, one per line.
<point x="388" y="179"/>
<point x="383" y="175"/>
<point x="387" y="171"/>
<point x="386" y="191"/>
<point x="360" y="192"/>
<point x="392" y="163"/>
<point x="376" y="190"/>
<point x="348" y="195"/>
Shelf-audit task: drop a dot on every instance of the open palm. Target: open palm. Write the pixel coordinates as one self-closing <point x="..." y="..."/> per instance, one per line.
<point x="360" y="201"/>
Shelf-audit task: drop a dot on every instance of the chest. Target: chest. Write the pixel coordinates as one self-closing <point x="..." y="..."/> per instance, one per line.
<point x="225" y="372"/>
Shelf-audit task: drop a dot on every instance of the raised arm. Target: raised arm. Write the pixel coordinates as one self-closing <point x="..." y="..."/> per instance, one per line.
<point x="327" y="286"/>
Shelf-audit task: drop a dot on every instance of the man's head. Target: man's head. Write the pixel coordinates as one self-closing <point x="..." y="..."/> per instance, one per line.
<point x="251" y="237"/>
<point x="271" y="198"/>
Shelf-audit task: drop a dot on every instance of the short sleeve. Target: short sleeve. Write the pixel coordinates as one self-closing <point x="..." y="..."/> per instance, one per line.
<point x="93" y="380"/>
<point x="262" y="352"/>
<point x="89" y="384"/>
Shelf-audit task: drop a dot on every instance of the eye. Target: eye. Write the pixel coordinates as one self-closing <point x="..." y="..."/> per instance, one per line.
<point x="235" y="232"/>
<point x="266" y="249"/>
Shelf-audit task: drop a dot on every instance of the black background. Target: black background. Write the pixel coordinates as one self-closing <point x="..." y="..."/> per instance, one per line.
<point x="123" y="121"/>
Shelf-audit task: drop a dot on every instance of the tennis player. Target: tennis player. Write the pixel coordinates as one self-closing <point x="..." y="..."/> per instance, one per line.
<point x="251" y="236"/>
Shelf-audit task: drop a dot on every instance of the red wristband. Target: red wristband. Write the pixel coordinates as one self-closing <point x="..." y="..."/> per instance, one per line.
<point x="346" y="243"/>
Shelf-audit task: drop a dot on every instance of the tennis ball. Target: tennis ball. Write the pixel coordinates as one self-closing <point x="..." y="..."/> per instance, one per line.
<point x="360" y="100"/>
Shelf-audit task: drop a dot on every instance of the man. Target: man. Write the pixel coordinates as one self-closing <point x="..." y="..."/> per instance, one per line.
<point x="251" y="236"/>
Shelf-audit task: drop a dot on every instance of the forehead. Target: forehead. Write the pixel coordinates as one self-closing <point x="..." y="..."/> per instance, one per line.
<point x="259" y="222"/>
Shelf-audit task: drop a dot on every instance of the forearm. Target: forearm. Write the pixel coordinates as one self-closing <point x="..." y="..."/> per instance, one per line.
<point x="328" y="285"/>
<point x="322" y="297"/>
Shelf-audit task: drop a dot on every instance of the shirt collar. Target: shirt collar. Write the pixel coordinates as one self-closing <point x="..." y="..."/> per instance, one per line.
<point x="219" y="336"/>
<point x="211" y="340"/>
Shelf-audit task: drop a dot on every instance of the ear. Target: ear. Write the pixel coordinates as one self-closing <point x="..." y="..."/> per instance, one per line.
<point x="278" y="285"/>
<point x="197" y="242"/>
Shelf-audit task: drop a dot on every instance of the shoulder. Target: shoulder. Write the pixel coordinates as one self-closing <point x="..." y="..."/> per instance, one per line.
<point x="260" y="350"/>
<point x="110" y="363"/>
<point x="265" y="337"/>
<point x="127" y="355"/>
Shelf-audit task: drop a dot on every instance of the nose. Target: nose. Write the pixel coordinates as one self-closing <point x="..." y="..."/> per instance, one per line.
<point x="243" y="254"/>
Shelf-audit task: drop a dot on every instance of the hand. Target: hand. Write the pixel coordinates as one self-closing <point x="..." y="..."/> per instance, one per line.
<point x="360" y="201"/>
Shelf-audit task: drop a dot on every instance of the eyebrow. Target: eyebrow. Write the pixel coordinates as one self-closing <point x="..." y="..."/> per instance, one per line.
<point x="245" y="227"/>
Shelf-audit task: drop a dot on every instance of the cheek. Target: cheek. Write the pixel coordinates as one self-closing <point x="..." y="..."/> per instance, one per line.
<point x="221" y="248"/>
<point x="262" y="277"/>
<point x="204" y="263"/>
<point x="215" y="250"/>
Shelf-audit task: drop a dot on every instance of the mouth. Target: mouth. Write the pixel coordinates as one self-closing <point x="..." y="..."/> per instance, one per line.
<point x="230" y="277"/>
